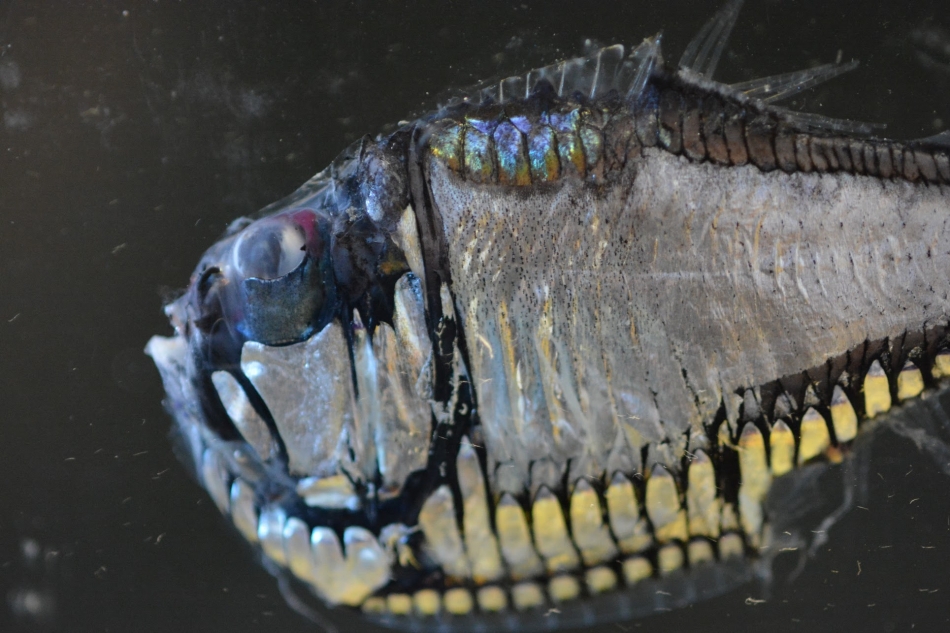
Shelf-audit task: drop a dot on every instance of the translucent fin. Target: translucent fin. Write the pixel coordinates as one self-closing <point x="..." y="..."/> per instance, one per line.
<point x="809" y="122"/>
<point x="937" y="141"/>
<point x="643" y="60"/>
<point x="777" y="87"/>
<point x="593" y="76"/>
<point x="703" y="53"/>
<point x="609" y="62"/>
<point x="512" y="88"/>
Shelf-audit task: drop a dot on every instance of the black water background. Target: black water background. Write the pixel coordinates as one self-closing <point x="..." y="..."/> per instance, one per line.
<point x="134" y="132"/>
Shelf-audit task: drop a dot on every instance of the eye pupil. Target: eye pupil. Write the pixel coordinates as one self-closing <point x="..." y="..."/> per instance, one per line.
<point x="270" y="250"/>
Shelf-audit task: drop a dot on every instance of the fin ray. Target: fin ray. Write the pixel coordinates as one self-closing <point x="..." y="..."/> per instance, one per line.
<point x="593" y="76"/>
<point x="703" y="53"/>
<point x="810" y="122"/>
<point x="643" y="60"/>
<point x="937" y="141"/>
<point x="777" y="87"/>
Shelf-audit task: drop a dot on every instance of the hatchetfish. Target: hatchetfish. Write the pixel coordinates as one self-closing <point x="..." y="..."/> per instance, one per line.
<point x="551" y="344"/>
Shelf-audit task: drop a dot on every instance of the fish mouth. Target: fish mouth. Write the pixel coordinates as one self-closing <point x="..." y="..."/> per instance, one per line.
<point x="452" y="547"/>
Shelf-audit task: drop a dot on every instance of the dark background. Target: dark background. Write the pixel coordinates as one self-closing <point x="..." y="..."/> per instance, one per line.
<point x="134" y="132"/>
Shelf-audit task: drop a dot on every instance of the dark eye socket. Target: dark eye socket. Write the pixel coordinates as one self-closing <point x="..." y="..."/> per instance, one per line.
<point x="270" y="249"/>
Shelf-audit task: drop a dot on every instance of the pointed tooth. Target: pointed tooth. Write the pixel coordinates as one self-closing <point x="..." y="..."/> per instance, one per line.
<point x="669" y="558"/>
<point x="458" y="601"/>
<point x="491" y="599"/>
<point x="563" y="588"/>
<point x="587" y="525"/>
<point x="335" y="492"/>
<point x="663" y="506"/>
<point x="243" y="510"/>
<point x="330" y="577"/>
<point x="631" y="529"/>
<point x="246" y="419"/>
<point x="635" y="569"/>
<point x="699" y="552"/>
<point x="550" y="533"/>
<point x="351" y="578"/>
<point x="367" y="414"/>
<point x="815" y="439"/>
<point x="399" y="603"/>
<point x="406" y="237"/>
<point x="941" y="368"/>
<point x="910" y="382"/>
<point x="702" y="504"/>
<point x="270" y="533"/>
<point x="427" y="602"/>
<point x="730" y="545"/>
<point x="480" y="542"/>
<point x="527" y="595"/>
<point x="755" y="480"/>
<point x="297" y="549"/>
<point x="782" y="448"/>
<point x="877" y="391"/>
<point x="367" y="565"/>
<point x="216" y="478"/>
<point x="375" y="605"/>
<point x="438" y="524"/>
<point x="843" y="417"/>
<point x="515" y="539"/>
<point x="600" y="579"/>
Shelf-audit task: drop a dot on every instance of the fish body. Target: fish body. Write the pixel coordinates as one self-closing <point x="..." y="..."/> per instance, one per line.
<point x="552" y="343"/>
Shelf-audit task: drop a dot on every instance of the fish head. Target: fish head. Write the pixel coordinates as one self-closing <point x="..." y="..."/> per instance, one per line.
<point x="315" y="257"/>
<point x="283" y="330"/>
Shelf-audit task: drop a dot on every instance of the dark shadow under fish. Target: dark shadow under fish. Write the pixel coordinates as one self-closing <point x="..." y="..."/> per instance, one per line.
<point x="544" y="351"/>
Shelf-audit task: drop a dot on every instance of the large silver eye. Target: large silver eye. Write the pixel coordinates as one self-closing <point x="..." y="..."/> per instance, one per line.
<point x="270" y="249"/>
<point x="280" y="282"/>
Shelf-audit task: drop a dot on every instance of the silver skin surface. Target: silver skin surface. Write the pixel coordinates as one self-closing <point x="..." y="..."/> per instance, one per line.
<point x="668" y="292"/>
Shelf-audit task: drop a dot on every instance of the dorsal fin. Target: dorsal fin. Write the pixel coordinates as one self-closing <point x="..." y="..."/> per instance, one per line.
<point x="937" y="141"/>
<point x="592" y="76"/>
<point x="777" y="87"/>
<point x="702" y="55"/>
<point x="645" y="58"/>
